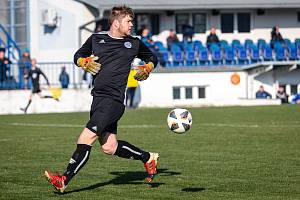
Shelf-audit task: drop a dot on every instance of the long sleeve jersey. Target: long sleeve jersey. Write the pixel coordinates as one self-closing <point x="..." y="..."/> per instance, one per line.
<point x="115" y="56"/>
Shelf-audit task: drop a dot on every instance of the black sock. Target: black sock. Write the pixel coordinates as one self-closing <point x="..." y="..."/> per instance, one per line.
<point x="126" y="150"/>
<point x="29" y="102"/>
<point x="78" y="160"/>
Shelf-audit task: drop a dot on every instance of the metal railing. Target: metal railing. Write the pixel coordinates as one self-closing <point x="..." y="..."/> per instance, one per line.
<point x="15" y="78"/>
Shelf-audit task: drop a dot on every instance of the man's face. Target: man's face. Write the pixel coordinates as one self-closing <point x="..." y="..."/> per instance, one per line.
<point x="261" y="88"/>
<point x="213" y="31"/>
<point x="1" y="54"/>
<point x="126" y="26"/>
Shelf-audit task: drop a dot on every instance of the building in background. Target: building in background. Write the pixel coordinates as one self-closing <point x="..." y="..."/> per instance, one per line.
<point x="54" y="29"/>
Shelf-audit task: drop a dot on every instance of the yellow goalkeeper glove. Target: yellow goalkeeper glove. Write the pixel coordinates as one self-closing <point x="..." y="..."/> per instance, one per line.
<point x="143" y="71"/>
<point x="89" y="64"/>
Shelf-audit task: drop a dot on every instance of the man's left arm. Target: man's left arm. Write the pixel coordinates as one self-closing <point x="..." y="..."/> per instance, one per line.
<point x="150" y="60"/>
<point x="45" y="77"/>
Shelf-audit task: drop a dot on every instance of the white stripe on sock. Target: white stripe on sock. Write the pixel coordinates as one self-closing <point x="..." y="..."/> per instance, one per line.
<point x="135" y="152"/>
<point x="85" y="157"/>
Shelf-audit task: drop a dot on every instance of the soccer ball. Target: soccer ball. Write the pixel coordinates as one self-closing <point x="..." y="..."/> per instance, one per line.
<point x="179" y="120"/>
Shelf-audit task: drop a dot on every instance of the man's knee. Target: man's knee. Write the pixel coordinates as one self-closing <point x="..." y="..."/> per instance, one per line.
<point x="109" y="148"/>
<point x="87" y="137"/>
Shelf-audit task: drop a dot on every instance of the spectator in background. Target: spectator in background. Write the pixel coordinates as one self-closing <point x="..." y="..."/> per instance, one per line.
<point x="296" y="99"/>
<point x="212" y="38"/>
<point x="282" y="95"/>
<point x="140" y="31"/>
<point x="64" y="78"/>
<point x="172" y="39"/>
<point x="276" y="36"/>
<point x="146" y="37"/>
<point x="24" y="67"/>
<point x="262" y="94"/>
<point x="3" y="66"/>
<point x="187" y="33"/>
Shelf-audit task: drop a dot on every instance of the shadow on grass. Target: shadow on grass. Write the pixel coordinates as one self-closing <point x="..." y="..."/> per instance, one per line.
<point x="193" y="189"/>
<point x="134" y="178"/>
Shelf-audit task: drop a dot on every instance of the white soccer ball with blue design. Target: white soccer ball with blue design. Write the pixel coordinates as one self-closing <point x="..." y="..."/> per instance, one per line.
<point x="179" y="120"/>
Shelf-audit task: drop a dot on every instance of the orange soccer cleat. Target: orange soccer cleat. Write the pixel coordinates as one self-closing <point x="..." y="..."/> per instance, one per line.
<point x="151" y="165"/>
<point x="57" y="180"/>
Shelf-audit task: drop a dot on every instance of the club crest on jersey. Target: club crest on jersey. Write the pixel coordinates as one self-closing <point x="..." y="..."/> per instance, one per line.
<point x="128" y="45"/>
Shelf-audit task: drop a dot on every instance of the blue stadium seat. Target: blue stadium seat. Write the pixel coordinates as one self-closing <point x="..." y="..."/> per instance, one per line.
<point x="280" y="53"/>
<point x="191" y="58"/>
<point x="236" y="44"/>
<point x="203" y="56"/>
<point x="216" y="55"/>
<point x="254" y="54"/>
<point x="248" y="43"/>
<point x="242" y="55"/>
<point x="229" y="55"/>
<point x="223" y="44"/>
<point x="297" y="43"/>
<point x="165" y="58"/>
<point x="267" y="53"/>
<point x="188" y="46"/>
<point x="261" y="44"/>
<point x="175" y="47"/>
<point x="177" y="58"/>
<point x="197" y="45"/>
<point x="292" y="52"/>
<point x="287" y="41"/>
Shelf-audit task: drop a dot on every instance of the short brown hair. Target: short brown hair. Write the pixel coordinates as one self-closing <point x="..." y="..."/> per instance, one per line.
<point x="118" y="12"/>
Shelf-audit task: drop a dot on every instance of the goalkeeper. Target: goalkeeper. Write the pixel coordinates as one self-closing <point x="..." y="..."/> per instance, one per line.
<point x="108" y="56"/>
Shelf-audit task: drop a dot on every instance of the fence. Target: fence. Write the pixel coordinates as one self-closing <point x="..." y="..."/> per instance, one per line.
<point x="77" y="79"/>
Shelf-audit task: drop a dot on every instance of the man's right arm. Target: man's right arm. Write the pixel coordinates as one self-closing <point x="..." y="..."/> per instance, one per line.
<point x="84" y="51"/>
<point x="83" y="58"/>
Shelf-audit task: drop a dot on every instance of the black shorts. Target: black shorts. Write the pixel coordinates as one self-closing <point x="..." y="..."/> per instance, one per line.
<point x="36" y="89"/>
<point x="104" y="116"/>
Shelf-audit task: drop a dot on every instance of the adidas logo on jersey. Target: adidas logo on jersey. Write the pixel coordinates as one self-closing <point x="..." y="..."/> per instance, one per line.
<point x="101" y="41"/>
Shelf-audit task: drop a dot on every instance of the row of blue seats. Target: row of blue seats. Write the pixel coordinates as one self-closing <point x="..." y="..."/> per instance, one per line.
<point x="228" y="56"/>
<point x="197" y="45"/>
<point x="195" y="53"/>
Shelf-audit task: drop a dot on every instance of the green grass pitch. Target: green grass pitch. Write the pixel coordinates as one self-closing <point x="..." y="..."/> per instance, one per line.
<point x="229" y="153"/>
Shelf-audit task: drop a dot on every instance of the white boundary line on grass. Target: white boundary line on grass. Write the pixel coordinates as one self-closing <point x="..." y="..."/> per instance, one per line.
<point x="160" y="126"/>
<point x="79" y="126"/>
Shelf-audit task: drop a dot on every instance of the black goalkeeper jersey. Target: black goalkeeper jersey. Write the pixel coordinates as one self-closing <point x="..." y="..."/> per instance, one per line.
<point x="115" y="56"/>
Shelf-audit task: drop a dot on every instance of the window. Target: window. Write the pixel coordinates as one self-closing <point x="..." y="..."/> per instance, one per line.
<point x="147" y="20"/>
<point x="199" y="22"/>
<point x="201" y="92"/>
<point x="293" y="89"/>
<point x="176" y="92"/>
<point x="188" y="92"/>
<point x="298" y="16"/>
<point x="181" y="19"/>
<point x="227" y="22"/>
<point x="243" y="22"/>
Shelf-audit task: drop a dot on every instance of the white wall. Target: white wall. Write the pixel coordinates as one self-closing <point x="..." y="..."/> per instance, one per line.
<point x="70" y="101"/>
<point x="158" y="89"/>
<point x="61" y="43"/>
